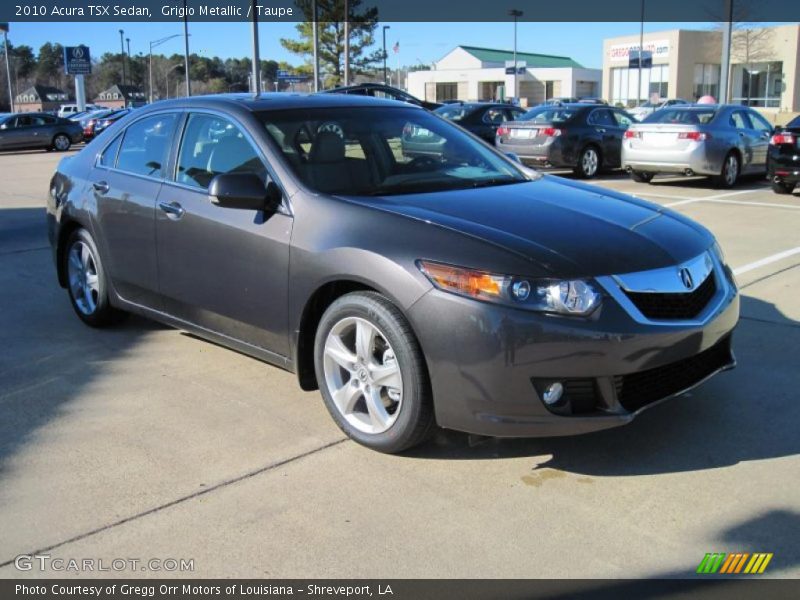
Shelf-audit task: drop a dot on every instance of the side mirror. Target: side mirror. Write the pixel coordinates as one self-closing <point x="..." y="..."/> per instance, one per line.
<point x="244" y="190"/>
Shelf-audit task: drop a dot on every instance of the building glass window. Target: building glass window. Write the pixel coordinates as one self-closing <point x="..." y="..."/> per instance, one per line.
<point x="624" y="82"/>
<point x="446" y="91"/>
<point x="758" y="84"/>
<point x="706" y="80"/>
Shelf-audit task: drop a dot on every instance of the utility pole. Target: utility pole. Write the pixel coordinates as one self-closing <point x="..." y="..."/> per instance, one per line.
<point x="315" y="35"/>
<point x="4" y="27"/>
<point x="128" y="59"/>
<point x="516" y="13"/>
<point x="641" y="52"/>
<point x="725" y="67"/>
<point x="122" y="52"/>
<point x="385" y="27"/>
<point x="186" y="48"/>
<point x="347" y="43"/>
<point x="255" y="78"/>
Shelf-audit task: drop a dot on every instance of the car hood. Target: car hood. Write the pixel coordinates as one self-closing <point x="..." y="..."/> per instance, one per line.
<point x="567" y="228"/>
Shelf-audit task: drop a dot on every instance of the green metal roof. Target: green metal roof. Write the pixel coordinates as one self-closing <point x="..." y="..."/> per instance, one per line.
<point x="533" y="60"/>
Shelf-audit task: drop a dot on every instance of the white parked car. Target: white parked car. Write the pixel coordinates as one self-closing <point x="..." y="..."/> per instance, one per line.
<point x="67" y="110"/>
<point x="648" y="108"/>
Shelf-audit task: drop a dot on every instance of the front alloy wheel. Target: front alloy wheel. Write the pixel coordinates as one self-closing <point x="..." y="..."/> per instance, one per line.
<point x="371" y="373"/>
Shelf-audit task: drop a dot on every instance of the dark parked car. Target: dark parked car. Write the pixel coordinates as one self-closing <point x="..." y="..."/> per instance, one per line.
<point x="583" y="137"/>
<point x="38" y="130"/>
<point x="784" y="157"/>
<point x="467" y="292"/>
<point x="481" y="118"/>
<point x="103" y="123"/>
<point x="89" y="121"/>
<point x="378" y="90"/>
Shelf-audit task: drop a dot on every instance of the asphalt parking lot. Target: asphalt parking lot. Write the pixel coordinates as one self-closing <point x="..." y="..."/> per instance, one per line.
<point x="144" y="442"/>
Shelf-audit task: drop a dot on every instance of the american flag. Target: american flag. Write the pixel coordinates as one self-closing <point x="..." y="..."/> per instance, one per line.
<point x="396" y="47"/>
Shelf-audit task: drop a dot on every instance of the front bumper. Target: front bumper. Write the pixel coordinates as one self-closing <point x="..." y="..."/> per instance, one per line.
<point x="488" y="363"/>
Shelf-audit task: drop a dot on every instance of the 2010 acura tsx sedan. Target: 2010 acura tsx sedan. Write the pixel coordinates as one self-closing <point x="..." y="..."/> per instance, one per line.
<point x="457" y="289"/>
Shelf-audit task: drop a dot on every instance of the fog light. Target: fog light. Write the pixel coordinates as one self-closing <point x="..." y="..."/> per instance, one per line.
<point x="552" y="393"/>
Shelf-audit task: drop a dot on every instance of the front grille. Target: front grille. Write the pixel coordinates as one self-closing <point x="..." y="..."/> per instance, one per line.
<point x="640" y="389"/>
<point x="675" y="306"/>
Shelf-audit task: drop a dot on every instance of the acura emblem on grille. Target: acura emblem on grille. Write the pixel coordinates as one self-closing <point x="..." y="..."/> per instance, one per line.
<point x="686" y="278"/>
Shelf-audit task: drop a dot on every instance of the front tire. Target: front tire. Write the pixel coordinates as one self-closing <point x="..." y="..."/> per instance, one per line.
<point x="87" y="282"/>
<point x="642" y="176"/>
<point x="372" y="374"/>
<point x="61" y="142"/>
<point x="589" y="163"/>
<point x="730" y="171"/>
<point x="782" y="187"/>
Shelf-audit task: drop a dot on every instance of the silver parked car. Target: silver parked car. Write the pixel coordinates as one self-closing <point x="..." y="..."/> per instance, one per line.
<point x="643" y="111"/>
<point x="723" y="141"/>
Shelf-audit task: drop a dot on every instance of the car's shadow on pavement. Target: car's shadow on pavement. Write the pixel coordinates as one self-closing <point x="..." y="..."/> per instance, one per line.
<point x="750" y="413"/>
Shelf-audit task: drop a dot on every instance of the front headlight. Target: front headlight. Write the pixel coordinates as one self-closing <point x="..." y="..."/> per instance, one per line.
<point x="575" y="297"/>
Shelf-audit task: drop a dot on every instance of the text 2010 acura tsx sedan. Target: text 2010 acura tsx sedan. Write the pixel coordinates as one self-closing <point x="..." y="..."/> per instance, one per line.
<point x="458" y="289"/>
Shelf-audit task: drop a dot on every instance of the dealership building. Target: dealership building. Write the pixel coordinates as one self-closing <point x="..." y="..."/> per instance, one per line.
<point x="472" y="73"/>
<point x="686" y="64"/>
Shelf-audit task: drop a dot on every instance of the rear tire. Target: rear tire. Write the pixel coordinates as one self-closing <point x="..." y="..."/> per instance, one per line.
<point x="61" y="142"/>
<point x="731" y="168"/>
<point x="87" y="282"/>
<point x="782" y="187"/>
<point x="642" y="176"/>
<point x="589" y="163"/>
<point x="372" y="373"/>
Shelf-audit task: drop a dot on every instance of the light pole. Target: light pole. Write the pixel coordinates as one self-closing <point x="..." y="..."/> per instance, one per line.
<point x="724" y="74"/>
<point x="641" y="52"/>
<point x="186" y="48"/>
<point x="154" y="44"/>
<point x="128" y="59"/>
<point x="122" y="51"/>
<point x="516" y="13"/>
<point x="315" y="35"/>
<point x="166" y="77"/>
<point x="255" y="78"/>
<point x="347" y="42"/>
<point x="8" y="68"/>
<point x="385" y="55"/>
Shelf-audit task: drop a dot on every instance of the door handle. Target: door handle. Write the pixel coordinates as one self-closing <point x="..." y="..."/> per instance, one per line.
<point x="173" y="209"/>
<point x="741" y="134"/>
<point x="600" y="130"/>
<point x="101" y="186"/>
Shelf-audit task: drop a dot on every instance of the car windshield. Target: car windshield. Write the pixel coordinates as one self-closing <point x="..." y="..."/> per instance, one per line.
<point x="453" y="112"/>
<point x="681" y="116"/>
<point x="549" y="114"/>
<point x="384" y="152"/>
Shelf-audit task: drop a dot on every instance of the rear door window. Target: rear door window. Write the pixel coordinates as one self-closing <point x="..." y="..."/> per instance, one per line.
<point x="145" y="145"/>
<point x="495" y="116"/>
<point x="601" y="116"/>
<point x="739" y="120"/>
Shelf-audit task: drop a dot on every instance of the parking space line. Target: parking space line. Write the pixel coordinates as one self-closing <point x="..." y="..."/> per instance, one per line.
<point x="766" y="261"/>
<point x="746" y="203"/>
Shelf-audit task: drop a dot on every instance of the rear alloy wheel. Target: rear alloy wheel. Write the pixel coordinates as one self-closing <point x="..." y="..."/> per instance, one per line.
<point x="730" y="171"/>
<point x="371" y="373"/>
<point x="588" y="163"/>
<point x="61" y="142"/>
<point x="642" y="176"/>
<point x="86" y="281"/>
<point x="782" y="187"/>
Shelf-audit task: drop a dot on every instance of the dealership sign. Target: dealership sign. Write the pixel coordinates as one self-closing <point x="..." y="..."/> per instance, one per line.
<point x="621" y="53"/>
<point x="77" y="60"/>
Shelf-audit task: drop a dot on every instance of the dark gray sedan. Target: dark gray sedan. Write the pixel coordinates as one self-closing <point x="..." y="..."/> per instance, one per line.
<point x="38" y="130"/>
<point x="460" y="289"/>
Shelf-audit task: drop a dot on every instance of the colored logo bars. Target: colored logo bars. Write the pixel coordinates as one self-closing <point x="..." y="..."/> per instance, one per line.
<point x="735" y="563"/>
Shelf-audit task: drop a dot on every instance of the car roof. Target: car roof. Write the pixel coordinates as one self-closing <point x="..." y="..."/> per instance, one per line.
<point x="275" y="101"/>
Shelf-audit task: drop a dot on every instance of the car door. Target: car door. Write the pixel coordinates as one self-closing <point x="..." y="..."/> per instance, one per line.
<point x="12" y="132"/>
<point x="609" y="134"/>
<point x="744" y="138"/>
<point x="761" y="131"/>
<point x="223" y="269"/>
<point x="124" y="184"/>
